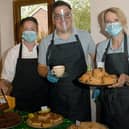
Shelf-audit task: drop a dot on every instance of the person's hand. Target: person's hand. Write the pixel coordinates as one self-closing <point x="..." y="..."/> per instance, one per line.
<point x="42" y="70"/>
<point x="52" y="78"/>
<point x="95" y="94"/>
<point x="6" y="86"/>
<point x="121" y="81"/>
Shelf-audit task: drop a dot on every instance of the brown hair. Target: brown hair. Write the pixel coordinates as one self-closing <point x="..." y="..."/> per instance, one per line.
<point x="121" y="16"/>
<point x="60" y="3"/>
<point x="34" y="20"/>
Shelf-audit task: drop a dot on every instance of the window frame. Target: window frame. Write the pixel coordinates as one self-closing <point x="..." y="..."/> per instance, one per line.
<point x="17" y="4"/>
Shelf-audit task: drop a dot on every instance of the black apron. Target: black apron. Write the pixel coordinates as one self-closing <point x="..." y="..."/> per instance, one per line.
<point x="115" y="101"/>
<point x="29" y="88"/>
<point x="67" y="97"/>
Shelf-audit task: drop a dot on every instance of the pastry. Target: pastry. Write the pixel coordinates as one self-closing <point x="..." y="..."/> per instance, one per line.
<point x="85" y="77"/>
<point x="98" y="73"/>
<point x="94" y="81"/>
<point x="98" y="76"/>
<point x="44" y="120"/>
<point x="43" y="116"/>
<point x="110" y="79"/>
<point x="88" y="125"/>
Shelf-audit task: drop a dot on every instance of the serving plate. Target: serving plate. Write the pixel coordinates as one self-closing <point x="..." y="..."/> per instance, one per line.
<point x="88" y="125"/>
<point x="39" y="127"/>
<point x="12" y="126"/>
<point x="8" y="126"/>
<point x="95" y="85"/>
<point x="44" y="120"/>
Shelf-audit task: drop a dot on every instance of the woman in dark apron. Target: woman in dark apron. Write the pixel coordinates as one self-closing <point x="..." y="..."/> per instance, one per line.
<point x="66" y="97"/>
<point x="115" y="99"/>
<point x="29" y="89"/>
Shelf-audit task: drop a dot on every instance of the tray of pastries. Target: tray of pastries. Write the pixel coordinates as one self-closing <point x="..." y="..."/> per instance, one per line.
<point x="98" y="77"/>
<point x="87" y="125"/>
<point x="9" y="120"/>
<point x="42" y="119"/>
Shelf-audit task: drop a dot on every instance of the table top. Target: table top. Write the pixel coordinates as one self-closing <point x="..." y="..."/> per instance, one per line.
<point x="23" y="124"/>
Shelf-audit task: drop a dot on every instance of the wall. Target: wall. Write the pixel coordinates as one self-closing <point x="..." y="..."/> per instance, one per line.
<point x="6" y="20"/>
<point x="97" y="6"/>
<point x="6" y="26"/>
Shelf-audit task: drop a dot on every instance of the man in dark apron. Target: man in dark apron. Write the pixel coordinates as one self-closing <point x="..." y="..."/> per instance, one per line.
<point x="69" y="47"/>
<point x="66" y="98"/>
<point x="115" y="101"/>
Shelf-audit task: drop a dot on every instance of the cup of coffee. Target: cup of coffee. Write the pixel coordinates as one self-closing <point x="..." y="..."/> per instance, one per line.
<point x="58" y="70"/>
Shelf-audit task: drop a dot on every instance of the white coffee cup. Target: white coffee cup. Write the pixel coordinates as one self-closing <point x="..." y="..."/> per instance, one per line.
<point x="58" y="70"/>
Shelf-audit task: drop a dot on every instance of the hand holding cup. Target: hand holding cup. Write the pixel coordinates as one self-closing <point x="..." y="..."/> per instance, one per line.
<point x="58" y="70"/>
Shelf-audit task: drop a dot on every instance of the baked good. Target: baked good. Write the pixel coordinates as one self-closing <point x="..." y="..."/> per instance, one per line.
<point x="110" y="79"/>
<point x="44" y="120"/>
<point x="85" y="77"/>
<point x="98" y="73"/>
<point x="94" y="80"/>
<point x="9" y="119"/>
<point x="88" y="125"/>
<point x="98" y="76"/>
<point x="34" y="122"/>
<point x="43" y="116"/>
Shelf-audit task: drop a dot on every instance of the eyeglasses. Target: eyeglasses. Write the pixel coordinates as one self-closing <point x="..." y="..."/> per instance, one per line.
<point x="66" y="16"/>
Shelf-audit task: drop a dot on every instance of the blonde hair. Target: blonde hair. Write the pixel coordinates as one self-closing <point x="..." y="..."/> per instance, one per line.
<point x="119" y="13"/>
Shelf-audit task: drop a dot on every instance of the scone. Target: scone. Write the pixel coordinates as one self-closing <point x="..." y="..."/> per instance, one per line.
<point x="98" y="73"/>
<point x="94" y="81"/>
<point x="110" y="79"/>
<point x="85" y="77"/>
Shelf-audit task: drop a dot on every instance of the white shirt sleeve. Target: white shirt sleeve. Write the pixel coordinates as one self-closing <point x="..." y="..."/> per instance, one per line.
<point x="9" y="65"/>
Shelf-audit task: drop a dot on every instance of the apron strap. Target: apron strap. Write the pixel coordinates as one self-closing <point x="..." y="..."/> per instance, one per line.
<point x="125" y="48"/>
<point x="48" y="50"/>
<point x="20" y="51"/>
<point x="104" y="55"/>
<point x="80" y="48"/>
<point x="125" y="44"/>
<point x="37" y="51"/>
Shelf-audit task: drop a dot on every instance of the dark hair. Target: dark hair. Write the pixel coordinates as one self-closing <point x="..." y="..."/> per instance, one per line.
<point x="60" y="3"/>
<point x="29" y="19"/>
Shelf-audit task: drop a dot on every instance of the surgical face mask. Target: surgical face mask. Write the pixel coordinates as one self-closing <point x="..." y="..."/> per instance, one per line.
<point x="29" y="36"/>
<point x="113" y="29"/>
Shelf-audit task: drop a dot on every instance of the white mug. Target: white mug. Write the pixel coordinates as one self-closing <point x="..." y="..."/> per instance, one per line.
<point x="58" y="70"/>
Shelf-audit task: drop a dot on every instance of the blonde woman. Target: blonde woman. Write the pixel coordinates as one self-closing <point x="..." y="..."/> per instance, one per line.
<point x="114" y="53"/>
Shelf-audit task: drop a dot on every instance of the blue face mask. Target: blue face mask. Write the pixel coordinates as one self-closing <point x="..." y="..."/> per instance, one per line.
<point x="113" y="29"/>
<point x="29" y="36"/>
